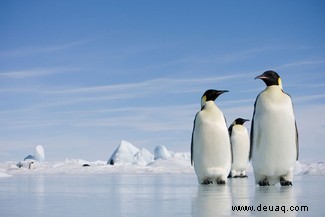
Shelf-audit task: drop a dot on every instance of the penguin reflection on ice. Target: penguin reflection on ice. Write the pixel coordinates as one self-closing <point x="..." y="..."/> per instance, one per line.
<point x="239" y="140"/>
<point x="210" y="146"/>
<point x="274" y="135"/>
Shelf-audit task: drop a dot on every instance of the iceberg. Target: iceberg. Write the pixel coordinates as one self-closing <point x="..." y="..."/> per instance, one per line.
<point x="143" y="157"/>
<point x="39" y="154"/>
<point x="124" y="154"/>
<point x="161" y="152"/>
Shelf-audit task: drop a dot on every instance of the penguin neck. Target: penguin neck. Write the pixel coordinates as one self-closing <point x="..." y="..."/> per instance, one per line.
<point x="274" y="88"/>
<point x="239" y="128"/>
<point x="274" y="93"/>
<point x="210" y="105"/>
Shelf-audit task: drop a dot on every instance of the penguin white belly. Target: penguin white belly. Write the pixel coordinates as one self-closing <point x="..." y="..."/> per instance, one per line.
<point x="274" y="150"/>
<point x="212" y="158"/>
<point x="240" y="148"/>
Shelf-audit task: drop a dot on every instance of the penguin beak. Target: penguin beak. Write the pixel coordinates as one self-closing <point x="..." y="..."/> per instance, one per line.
<point x="261" y="77"/>
<point x="246" y="120"/>
<point x="222" y="91"/>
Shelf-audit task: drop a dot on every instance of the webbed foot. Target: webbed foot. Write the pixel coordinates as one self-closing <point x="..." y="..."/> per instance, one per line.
<point x="284" y="182"/>
<point x="264" y="183"/>
<point x="221" y="182"/>
<point x="206" y="182"/>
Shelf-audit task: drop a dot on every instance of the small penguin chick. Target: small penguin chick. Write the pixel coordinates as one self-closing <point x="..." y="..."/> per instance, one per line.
<point x="239" y="139"/>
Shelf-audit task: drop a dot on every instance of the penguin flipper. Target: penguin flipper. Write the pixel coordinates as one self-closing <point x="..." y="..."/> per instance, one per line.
<point x="297" y="134"/>
<point x="229" y="132"/>
<point x="297" y="141"/>
<point x="252" y="132"/>
<point x="192" y="151"/>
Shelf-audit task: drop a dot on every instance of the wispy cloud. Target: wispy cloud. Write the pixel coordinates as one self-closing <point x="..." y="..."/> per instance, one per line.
<point x="301" y="63"/>
<point x="224" y="57"/>
<point x="301" y="99"/>
<point x="20" y="74"/>
<point x="167" y="84"/>
<point x="39" y="50"/>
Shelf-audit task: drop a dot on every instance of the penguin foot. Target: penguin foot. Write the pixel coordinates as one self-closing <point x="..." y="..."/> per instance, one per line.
<point x="240" y="176"/>
<point x="264" y="183"/>
<point x="284" y="182"/>
<point x="221" y="182"/>
<point x="229" y="176"/>
<point x="206" y="182"/>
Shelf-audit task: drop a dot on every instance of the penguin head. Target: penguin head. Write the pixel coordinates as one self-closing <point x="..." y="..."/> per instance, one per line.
<point x="270" y="78"/>
<point x="240" y="121"/>
<point x="211" y="95"/>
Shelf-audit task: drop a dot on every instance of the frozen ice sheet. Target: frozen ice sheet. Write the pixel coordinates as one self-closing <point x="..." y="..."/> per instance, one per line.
<point x="143" y="194"/>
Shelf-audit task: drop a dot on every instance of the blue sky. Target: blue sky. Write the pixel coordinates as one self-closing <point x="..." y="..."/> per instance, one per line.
<point x="77" y="77"/>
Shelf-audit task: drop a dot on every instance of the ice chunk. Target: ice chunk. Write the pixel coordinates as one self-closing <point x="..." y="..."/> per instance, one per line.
<point x="124" y="154"/>
<point x="315" y="169"/>
<point x="162" y="152"/>
<point x="39" y="154"/>
<point x="143" y="157"/>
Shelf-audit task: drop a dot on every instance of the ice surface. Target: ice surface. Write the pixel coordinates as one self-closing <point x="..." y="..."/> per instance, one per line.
<point x="152" y="194"/>
<point x="162" y="187"/>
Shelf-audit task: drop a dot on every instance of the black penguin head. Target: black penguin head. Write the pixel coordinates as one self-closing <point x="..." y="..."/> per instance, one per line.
<point x="270" y="78"/>
<point x="240" y="121"/>
<point x="211" y="95"/>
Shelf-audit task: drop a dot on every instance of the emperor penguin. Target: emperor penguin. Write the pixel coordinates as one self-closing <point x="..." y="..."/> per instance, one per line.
<point x="274" y="146"/>
<point x="239" y="140"/>
<point x="210" y="146"/>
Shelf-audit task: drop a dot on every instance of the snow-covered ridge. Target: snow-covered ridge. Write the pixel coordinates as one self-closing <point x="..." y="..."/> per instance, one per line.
<point x="179" y="163"/>
<point x="128" y="159"/>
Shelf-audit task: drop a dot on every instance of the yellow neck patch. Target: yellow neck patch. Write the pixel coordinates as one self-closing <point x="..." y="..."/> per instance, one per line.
<point x="280" y="83"/>
<point x="203" y="101"/>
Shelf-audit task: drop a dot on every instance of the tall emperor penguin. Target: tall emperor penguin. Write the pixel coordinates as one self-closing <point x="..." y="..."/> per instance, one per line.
<point x="274" y="135"/>
<point x="210" y="147"/>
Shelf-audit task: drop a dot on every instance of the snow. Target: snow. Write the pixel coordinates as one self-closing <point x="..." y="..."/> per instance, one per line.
<point x="143" y="163"/>
<point x="315" y="169"/>
<point x="128" y="159"/>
